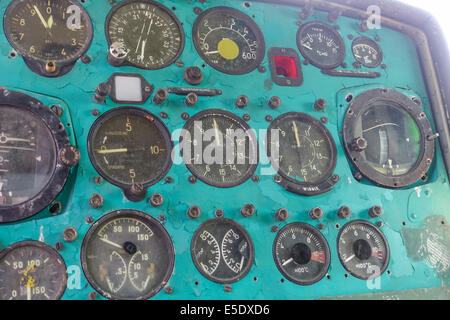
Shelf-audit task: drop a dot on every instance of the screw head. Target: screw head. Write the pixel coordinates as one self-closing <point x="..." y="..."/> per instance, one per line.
<point x="96" y="201"/>
<point x="92" y="295"/>
<point x="344" y="212"/>
<point x="316" y="213"/>
<point x="70" y="234"/>
<point x="282" y="215"/>
<point x="227" y="288"/>
<point x="194" y="212"/>
<point x="274" y="102"/>
<point x="168" y="290"/>
<point x="375" y="212"/>
<point x="59" y="246"/>
<point x="156" y="200"/>
<point x="219" y="213"/>
<point x="248" y="210"/>
<point x="241" y="101"/>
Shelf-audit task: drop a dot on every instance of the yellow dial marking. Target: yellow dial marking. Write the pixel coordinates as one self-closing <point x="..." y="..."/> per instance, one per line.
<point x="228" y="49"/>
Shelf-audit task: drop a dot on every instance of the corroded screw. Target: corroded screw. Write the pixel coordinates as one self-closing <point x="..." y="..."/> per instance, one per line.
<point x="320" y="104"/>
<point x="70" y="234"/>
<point x="191" y="99"/>
<point x="344" y="212"/>
<point x="96" y="201"/>
<point x="59" y="246"/>
<point x="241" y="101"/>
<point x="282" y="215"/>
<point x="219" y="213"/>
<point x="375" y="212"/>
<point x="92" y="295"/>
<point x="160" y="96"/>
<point x="194" y="212"/>
<point x="156" y="200"/>
<point x="316" y="213"/>
<point x="168" y="290"/>
<point x="227" y="288"/>
<point x="274" y="102"/>
<point x="248" y="210"/>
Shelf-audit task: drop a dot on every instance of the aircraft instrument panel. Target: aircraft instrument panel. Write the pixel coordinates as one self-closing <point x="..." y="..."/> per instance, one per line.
<point x="222" y="150"/>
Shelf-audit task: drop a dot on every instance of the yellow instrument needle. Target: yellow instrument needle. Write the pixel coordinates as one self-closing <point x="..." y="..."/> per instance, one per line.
<point x="111" y="151"/>
<point x="296" y="134"/>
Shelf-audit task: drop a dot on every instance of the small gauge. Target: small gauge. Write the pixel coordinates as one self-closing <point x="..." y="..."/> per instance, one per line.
<point x="129" y="146"/>
<point x="385" y="134"/>
<point x="50" y="35"/>
<point x="219" y="148"/>
<point x="367" y="52"/>
<point x="151" y="33"/>
<point x="321" y="45"/>
<point x="301" y="254"/>
<point x="303" y="152"/>
<point x="31" y="172"/>
<point x="31" y="270"/>
<point x="127" y="255"/>
<point x="222" y="251"/>
<point x="229" y="40"/>
<point x="363" y="250"/>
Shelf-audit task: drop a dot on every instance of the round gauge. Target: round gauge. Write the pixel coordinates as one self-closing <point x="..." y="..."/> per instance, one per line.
<point x="321" y="45"/>
<point x="229" y="40"/>
<point x="219" y="148"/>
<point x="302" y="150"/>
<point x="386" y="138"/>
<point x="31" y="140"/>
<point x="367" y="52"/>
<point x="130" y="146"/>
<point x="127" y="255"/>
<point x="151" y="33"/>
<point x="363" y="250"/>
<point x="301" y="254"/>
<point x="50" y="31"/>
<point x="222" y="251"/>
<point x="31" y="270"/>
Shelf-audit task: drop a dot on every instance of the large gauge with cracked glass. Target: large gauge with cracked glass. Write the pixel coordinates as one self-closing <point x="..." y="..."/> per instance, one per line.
<point x="150" y="32"/>
<point x="127" y="255"/>
<point x="219" y="148"/>
<point x="301" y="254"/>
<point x="229" y="40"/>
<point x="129" y="146"/>
<point x="50" y="35"/>
<point x="321" y="45"/>
<point x="303" y="152"/>
<point x="222" y="251"/>
<point x="31" y="270"/>
<point x="32" y="172"/>
<point x="367" y="52"/>
<point x="363" y="250"/>
<point x="387" y="138"/>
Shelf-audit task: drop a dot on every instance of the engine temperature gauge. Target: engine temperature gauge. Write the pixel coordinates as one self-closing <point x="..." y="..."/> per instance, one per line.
<point x="301" y="254"/>
<point x="367" y="52"/>
<point x="222" y="251"/>
<point x="363" y="250"/>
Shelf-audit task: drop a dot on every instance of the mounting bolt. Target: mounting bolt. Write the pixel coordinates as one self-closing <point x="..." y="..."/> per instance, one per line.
<point x="192" y="179"/>
<point x="274" y="102"/>
<point x="162" y="218"/>
<point x="92" y="295"/>
<point x="359" y="144"/>
<point x="96" y="201"/>
<point x="282" y="215"/>
<point x="59" y="246"/>
<point x="193" y="75"/>
<point x="248" y="210"/>
<point x="375" y="212"/>
<point x="191" y="99"/>
<point x="357" y="175"/>
<point x="320" y="104"/>
<point x="275" y="229"/>
<point x="227" y="288"/>
<point x="316" y="213"/>
<point x="98" y="180"/>
<point x="241" y="101"/>
<point x="95" y="112"/>
<point x="56" y="108"/>
<point x="194" y="212"/>
<point x="101" y="92"/>
<point x="169" y="180"/>
<point x="160" y="96"/>
<point x="70" y="234"/>
<point x="89" y="220"/>
<point x="344" y="212"/>
<point x="168" y="290"/>
<point x="219" y="213"/>
<point x="156" y="200"/>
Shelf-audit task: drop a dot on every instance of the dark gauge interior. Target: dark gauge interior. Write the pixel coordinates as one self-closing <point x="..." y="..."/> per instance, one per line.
<point x="130" y="146"/>
<point x="222" y="251"/>
<point x="219" y="148"/>
<point x="229" y="40"/>
<point x="385" y="136"/>
<point x="301" y="254"/>
<point x="363" y="250"/>
<point x="301" y="148"/>
<point x="127" y="255"/>
<point x="321" y="45"/>
<point x="27" y="155"/>
<point x="31" y="270"/>
<point x="150" y="32"/>
<point x="58" y="31"/>
<point x="367" y="52"/>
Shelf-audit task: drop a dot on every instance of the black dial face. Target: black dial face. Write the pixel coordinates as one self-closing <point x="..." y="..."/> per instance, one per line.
<point x="301" y="254"/>
<point x="367" y="52"/>
<point x="321" y="45"/>
<point x="31" y="270"/>
<point x="363" y="250"/>
<point x="151" y="33"/>
<point x="127" y="255"/>
<point x="27" y="155"/>
<point x="48" y="30"/>
<point x="219" y="148"/>
<point x="222" y="251"/>
<point x="229" y="40"/>
<point x="301" y="149"/>
<point x="130" y="146"/>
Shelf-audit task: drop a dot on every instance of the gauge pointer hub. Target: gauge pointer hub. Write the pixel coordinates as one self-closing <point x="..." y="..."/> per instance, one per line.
<point x="130" y="248"/>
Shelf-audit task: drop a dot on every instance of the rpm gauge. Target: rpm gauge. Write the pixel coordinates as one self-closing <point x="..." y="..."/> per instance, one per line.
<point x="127" y="255"/>
<point x="229" y="40"/>
<point x="363" y="250"/>
<point x="367" y="52"/>
<point x="151" y="33"/>
<point x="222" y="251"/>
<point x="31" y="270"/>
<point x="130" y="146"/>
<point x="303" y="152"/>
<point x="50" y="35"/>
<point x="301" y="254"/>
<point x="321" y="45"/>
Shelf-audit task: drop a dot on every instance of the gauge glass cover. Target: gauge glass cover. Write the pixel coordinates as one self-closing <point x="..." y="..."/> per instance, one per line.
<point x="367" y="52"/>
